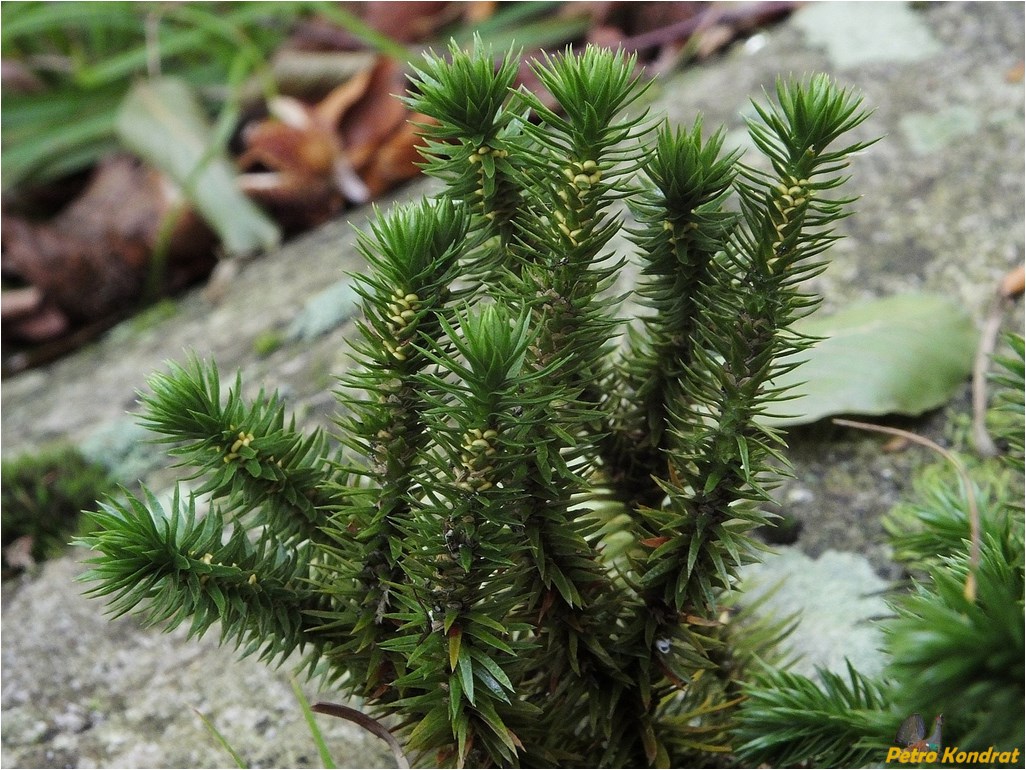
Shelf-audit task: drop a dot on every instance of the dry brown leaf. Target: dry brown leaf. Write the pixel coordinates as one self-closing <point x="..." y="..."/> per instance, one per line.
<point x="18" y="553"/>
<point x="331" y="108"/>
<point x="654" y="542"/>
<point x="297" y="203"/>
<point x="302" y="144"/>
<point x="354" y="144"/>
<point x="1012" y="284"/>
<point x="19" y="304"/>
<point x="311" y="74"/>
<point x="478" y="10"/>
<point x="396" y="160"/>
<point x="292" y="142"/>
<point x="29" y="317"/>
<point x="709" y="40"/>
<point x="895" y="444"/>
<point x="94" y="258"/>
<point x="376" y="115"/>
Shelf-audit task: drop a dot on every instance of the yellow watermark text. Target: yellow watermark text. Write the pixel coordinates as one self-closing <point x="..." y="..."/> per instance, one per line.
<point x="951" y="755"/>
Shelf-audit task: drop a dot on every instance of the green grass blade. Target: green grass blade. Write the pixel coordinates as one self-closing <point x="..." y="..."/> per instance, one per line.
<point x="239" y="762"/>
<point x="177" y="41"/>
<point x="50" y="151"/>
<point x="311" y="721"/>
<point x="32" y="20"/>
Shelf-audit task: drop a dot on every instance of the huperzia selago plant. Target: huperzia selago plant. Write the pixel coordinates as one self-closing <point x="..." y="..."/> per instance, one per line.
<point x="518" y="555"/>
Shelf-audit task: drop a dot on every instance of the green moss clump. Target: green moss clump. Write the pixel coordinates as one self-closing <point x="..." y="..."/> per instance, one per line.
<point x="42" y="496"/>
<point x="267" y="342"/>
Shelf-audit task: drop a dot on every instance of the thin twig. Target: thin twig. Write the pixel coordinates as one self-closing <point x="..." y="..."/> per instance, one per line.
<point x="984" y="444"/>
<point x="1010" y="288"/>
<point x="152" y="28"/>
<point x="967" y="491"/>
<point x="367" y="723"/>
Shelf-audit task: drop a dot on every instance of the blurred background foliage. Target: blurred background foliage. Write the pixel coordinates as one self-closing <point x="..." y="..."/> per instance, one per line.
<point x="68" y="66"/>
<point x="76" y="61"/>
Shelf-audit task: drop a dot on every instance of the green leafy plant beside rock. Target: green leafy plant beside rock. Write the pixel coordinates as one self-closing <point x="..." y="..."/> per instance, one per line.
<point x="954" y="646"/>
<point x="520" y="551"/>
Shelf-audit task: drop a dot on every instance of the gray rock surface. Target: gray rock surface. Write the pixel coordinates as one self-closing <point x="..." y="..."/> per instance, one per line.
<point x="82" y="691"/>
<point x="942" y="210"/>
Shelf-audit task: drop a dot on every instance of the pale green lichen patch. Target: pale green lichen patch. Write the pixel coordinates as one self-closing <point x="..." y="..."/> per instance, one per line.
<point x="324" y="311"/>
<point x="860" y="33"/>
<point x="834" y="596"/>
<point x="929" y="132"/>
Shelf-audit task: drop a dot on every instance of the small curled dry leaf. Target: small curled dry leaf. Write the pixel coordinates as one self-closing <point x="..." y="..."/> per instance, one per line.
<point x="367" y="723"/>
<point x="1012" y="283"/>
<point x="654" y="542"/>
<point x="305" y="161"/>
